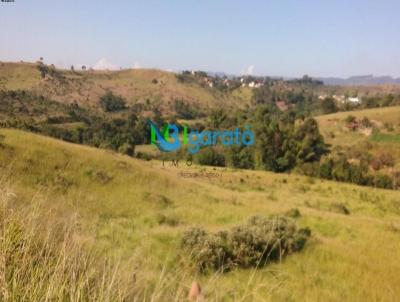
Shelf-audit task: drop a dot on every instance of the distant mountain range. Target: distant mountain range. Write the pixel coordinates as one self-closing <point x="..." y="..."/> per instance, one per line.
<point x="351" y="81"/>
<point x="360" y="80"/>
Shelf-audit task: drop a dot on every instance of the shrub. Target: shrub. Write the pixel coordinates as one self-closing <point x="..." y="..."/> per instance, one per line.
<point x="253" y="244"/>
<point x="293" y="213"/>
<point x="111" y="103"/>
<point x="143" y="155"/>
<point x="127" y="149"/>
<point x="209" y="251"/>
<point x="328" y="105"/>
<point x="389" y="127"/>
<point x="350" y="119"/>
<point x="365" y="122"/>
<point x="382" y="160"/>
<point x="211" y="157"/>
<point x="383" y="181"/>
<point x="339" y="207"/>
<point x="167" y="220"/>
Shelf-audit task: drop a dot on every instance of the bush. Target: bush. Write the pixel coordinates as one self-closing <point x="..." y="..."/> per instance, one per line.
<point x="293" y="213"/>
<point x="339" y="207"/>
<point x="111" y="103"/>
<point x="167" y="220"/>
<point x="328" y="105"/>
<point x="383" y="181"/>
<point x="210" y="157"/>
<point x="365" y="122"/>
<point x="253" y="244"/>
<point x="350" y="119"/>
<point x="382" y="160"/>
<point x="143" y="155"/>
<point x="127" y="149"/>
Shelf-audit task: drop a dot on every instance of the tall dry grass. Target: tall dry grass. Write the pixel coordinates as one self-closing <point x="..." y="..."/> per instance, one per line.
<point x="43" y="259"/>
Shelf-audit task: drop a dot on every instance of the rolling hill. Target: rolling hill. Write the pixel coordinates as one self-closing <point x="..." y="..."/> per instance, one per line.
<point x="381" y="134"/>
<point x="159" y="88"/>
<point x="136" y="212"/>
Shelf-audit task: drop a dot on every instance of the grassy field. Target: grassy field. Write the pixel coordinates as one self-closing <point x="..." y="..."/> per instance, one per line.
<point x="335" y="123"/>
<point x="115" y="203"/>
<point x="384" y="136"/>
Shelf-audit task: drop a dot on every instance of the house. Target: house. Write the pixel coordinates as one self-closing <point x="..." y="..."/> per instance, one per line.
<point x="355" y="100"/>
<point x="338" y="98"/>
<point x="208" y="82"/>
<point x="253" y="84"/>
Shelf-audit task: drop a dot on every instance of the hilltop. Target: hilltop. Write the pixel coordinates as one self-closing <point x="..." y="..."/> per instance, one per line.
<point x="137" y="86"/>
<point x="157" y="89"/>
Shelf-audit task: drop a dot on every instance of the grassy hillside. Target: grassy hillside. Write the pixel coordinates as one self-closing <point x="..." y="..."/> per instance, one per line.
<point x="146" y="86"/>
<point x="136" y="212"/>
<point x="382" y="135"/>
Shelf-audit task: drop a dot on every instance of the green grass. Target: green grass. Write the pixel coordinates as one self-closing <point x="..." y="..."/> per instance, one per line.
<point x="378" y="141"/>
<point x="385" y="138"/>
<point x="117" y="202"/>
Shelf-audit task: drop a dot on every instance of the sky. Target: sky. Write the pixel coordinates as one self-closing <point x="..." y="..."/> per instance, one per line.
<point x="276" y="38"/>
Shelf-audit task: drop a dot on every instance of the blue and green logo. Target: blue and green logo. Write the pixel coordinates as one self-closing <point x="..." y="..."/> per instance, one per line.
<point x="167" y="139"/>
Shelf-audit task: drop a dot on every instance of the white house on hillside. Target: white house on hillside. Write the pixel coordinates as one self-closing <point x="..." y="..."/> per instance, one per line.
<point x="355" y="100"/>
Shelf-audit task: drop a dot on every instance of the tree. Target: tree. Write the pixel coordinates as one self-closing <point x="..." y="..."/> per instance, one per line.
<point x="83" y="67"/>
<point x="328" y="105"/>
<point x="111" y="103"/>
<point x="311" y="145"/>
<point x="281" y="144"/>
<point x="217" y="117"/>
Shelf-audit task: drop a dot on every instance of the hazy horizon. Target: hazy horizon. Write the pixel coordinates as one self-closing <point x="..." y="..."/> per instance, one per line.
<point x="285" y="39"/>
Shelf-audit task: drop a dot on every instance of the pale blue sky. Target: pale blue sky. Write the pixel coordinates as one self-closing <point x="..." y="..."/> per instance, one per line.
<point x="286" y="38"/>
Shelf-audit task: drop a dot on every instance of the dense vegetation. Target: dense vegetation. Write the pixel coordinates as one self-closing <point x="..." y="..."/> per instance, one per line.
<point x="281" y="114"/>
<point x="254" y="244"/>
<point x="73" y="123"/>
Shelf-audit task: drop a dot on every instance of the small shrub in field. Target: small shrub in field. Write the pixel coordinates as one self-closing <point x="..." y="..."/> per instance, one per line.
<point x="253" y="244"/>
<point x="339" y="207"/>
<point x="382" y="160"/>
<point x="365" y="122"/>
<point x="142" y="155"/>
<point x="389" y="127"/>
<point x="167" y="220"/>
<point x="393" y="228"/>
<point x="383" y="181"/>
<point x="209" y="251"/>
<point x="162" y="200"/>
<point x="127" y="149"/>
<point x="350" y="119"/>
<point x="293" y="213"/>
